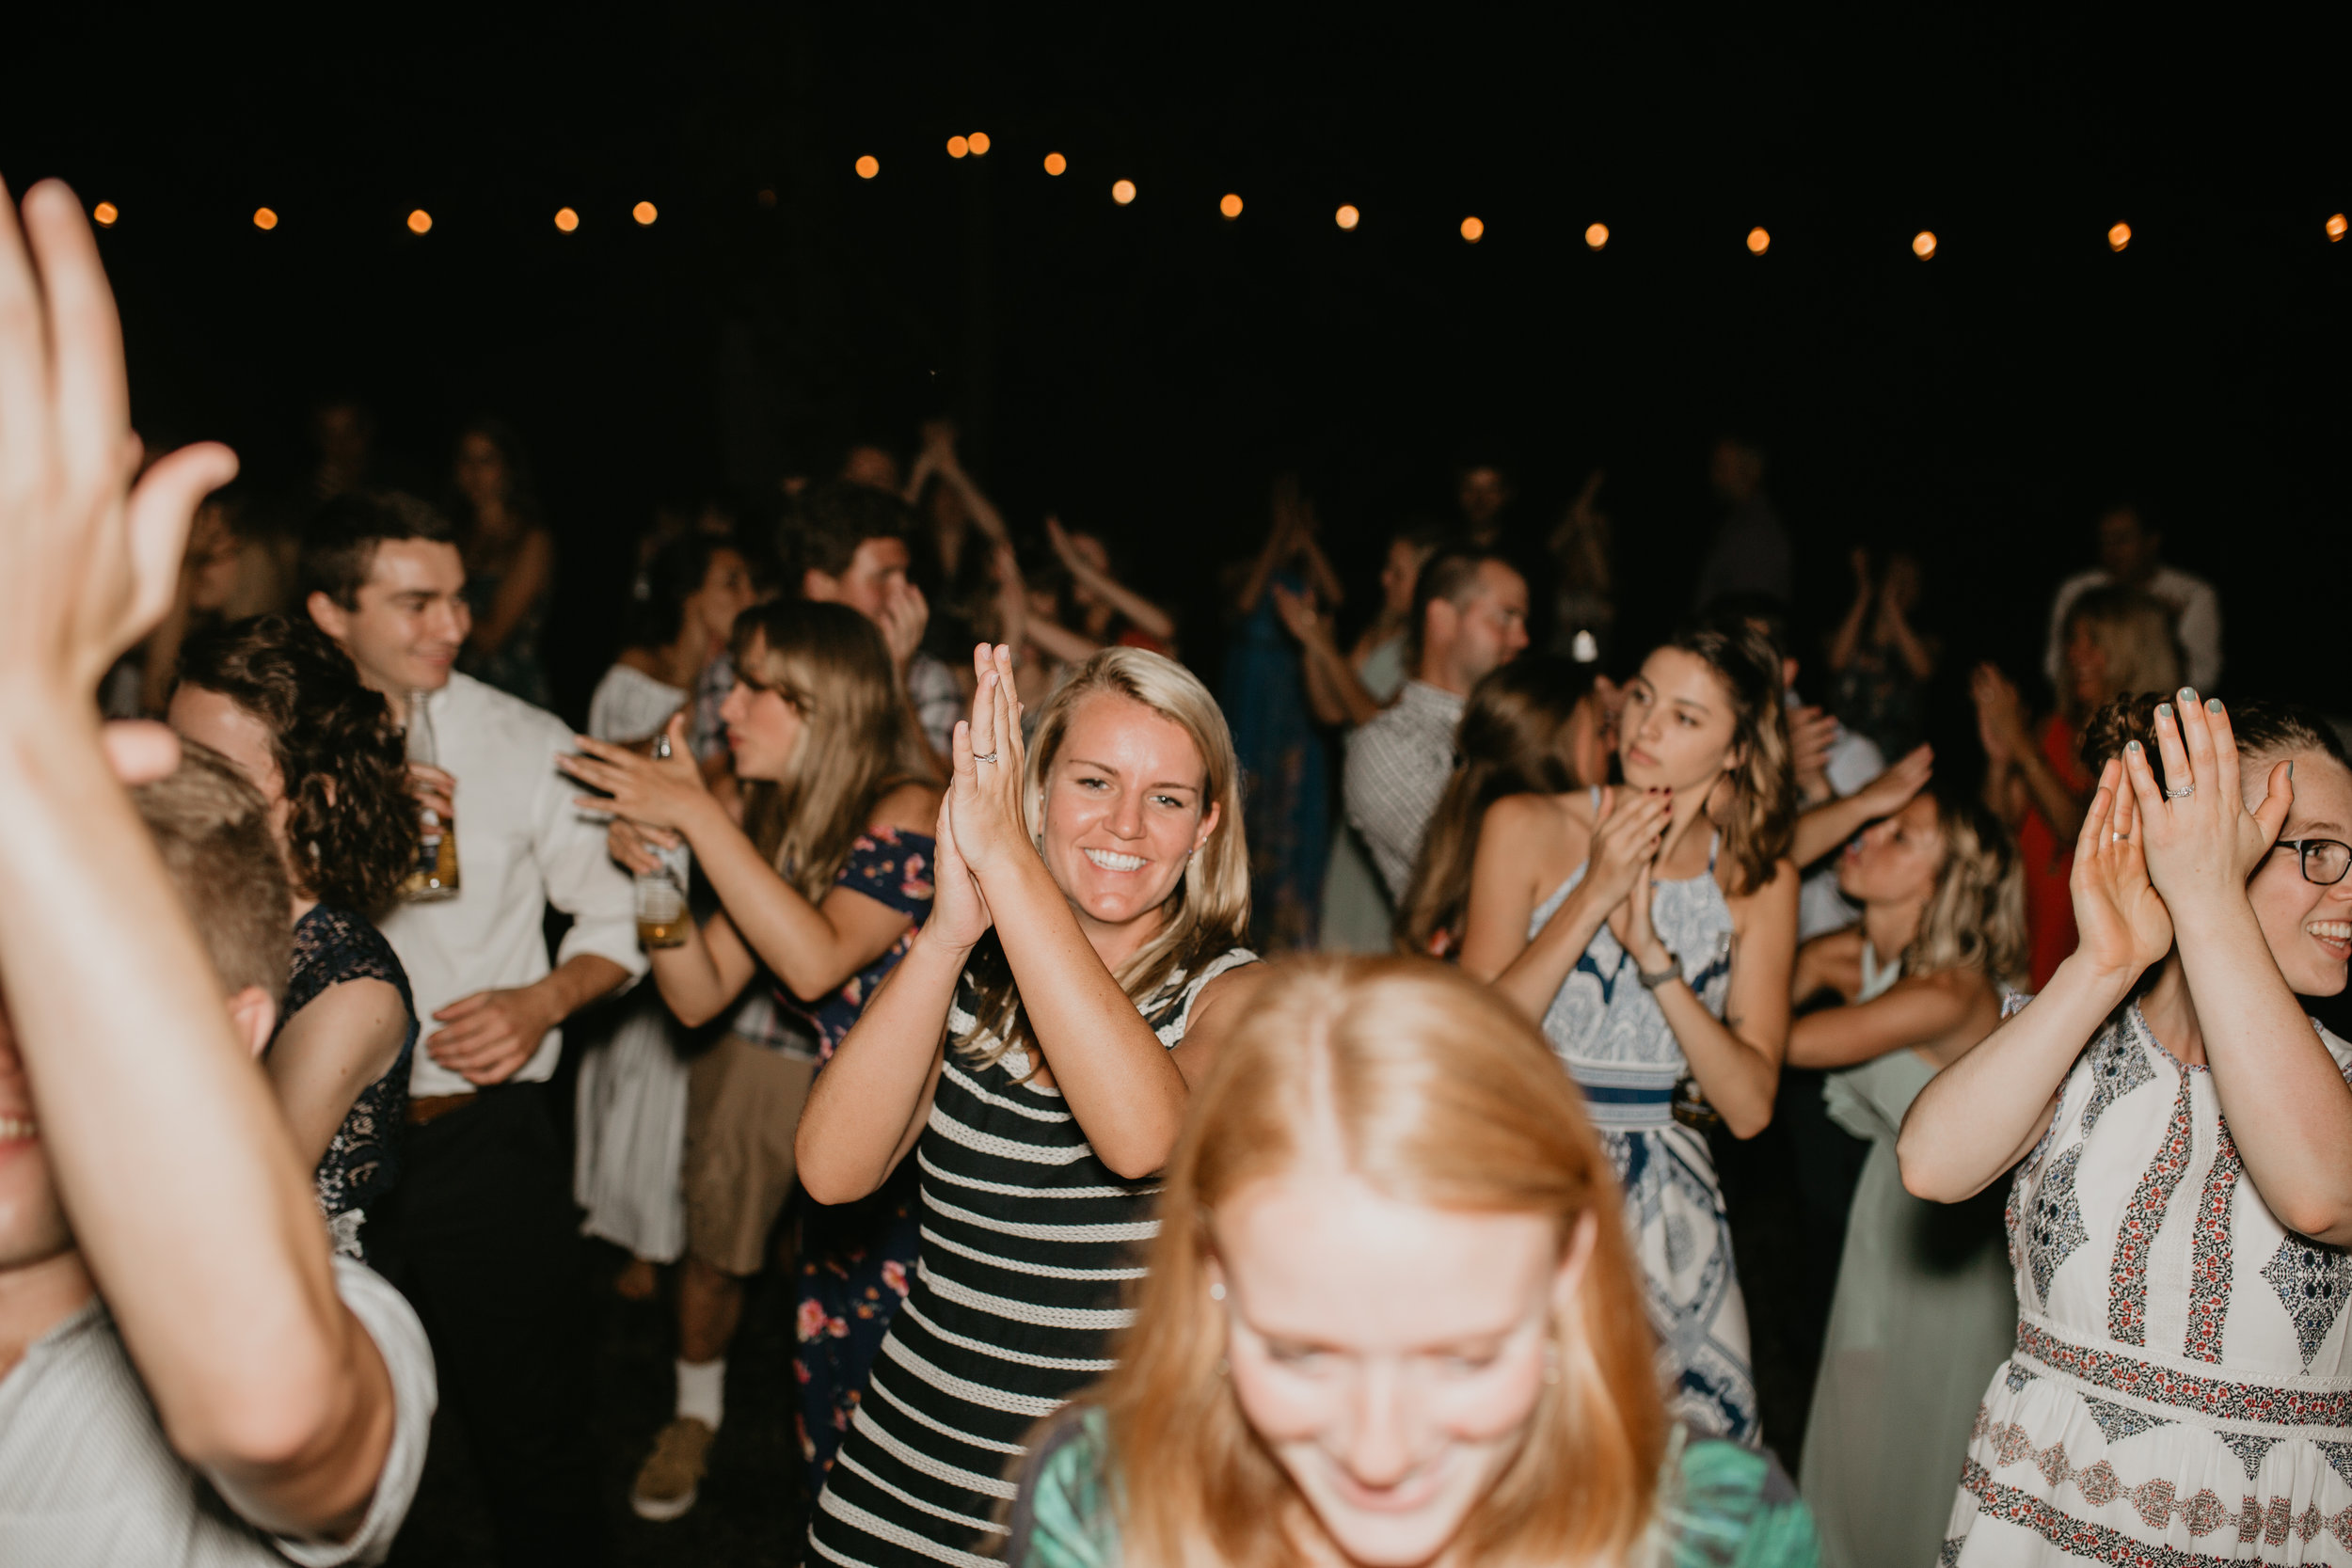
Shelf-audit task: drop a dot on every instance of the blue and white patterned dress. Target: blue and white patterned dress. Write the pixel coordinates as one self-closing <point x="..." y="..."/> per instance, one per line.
<point x="2181" y="1392"/>
<point x="1621" y="1052"/>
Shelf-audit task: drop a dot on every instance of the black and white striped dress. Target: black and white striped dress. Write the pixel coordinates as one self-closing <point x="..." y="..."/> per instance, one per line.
<point x="1029" y="1242"/>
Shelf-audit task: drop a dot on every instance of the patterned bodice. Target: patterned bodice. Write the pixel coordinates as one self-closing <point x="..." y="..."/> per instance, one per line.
<point x="1604" y="1025"/>
<point x="2137" y="1239"/>
<point x="330" y="947"/>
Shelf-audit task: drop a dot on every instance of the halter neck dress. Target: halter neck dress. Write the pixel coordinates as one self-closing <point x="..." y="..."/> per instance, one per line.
<point x="1621" y="1052"/>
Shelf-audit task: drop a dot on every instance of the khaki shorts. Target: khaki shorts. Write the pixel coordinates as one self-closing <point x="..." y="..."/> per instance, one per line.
<point x="742" y="1108"/>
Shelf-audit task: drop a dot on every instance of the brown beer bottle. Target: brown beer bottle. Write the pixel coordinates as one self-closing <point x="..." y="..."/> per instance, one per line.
<point x="436" y="874"/>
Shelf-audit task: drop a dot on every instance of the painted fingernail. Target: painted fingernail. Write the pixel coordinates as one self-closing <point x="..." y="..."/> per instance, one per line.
<point x="2188" y="694"/>
<point x="2164" y="710"/>
<point x="2212" y="704"/>
<point x="2132" y="747"/>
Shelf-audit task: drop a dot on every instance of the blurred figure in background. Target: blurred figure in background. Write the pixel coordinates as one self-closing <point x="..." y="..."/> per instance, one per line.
<point x="959" y="534"/>
<point x="1584" y="605"/>
<point x="847" y="544"/>
<point x="2130" y="555"/>
<point x="1535" y="727"/>
<point x="1109" y="614"/>
<point x="218" y="574"/>
<point x="1750" y="553"/>
<point x="343" y="433"/>
<point x="510" y="560"/>
<point x="2118" y="641"/>
<point x="1483" y="493"/>
<point x="1880" y="663"/>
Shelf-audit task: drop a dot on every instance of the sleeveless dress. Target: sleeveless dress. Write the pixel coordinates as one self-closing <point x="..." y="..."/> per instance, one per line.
<point x="362" y="1161"/>
<point x="1621" y="1052"/>
<point x="1923" y="1313"/>
<point x="2181" y="1389"/>
<point x="1027" y="1243"/>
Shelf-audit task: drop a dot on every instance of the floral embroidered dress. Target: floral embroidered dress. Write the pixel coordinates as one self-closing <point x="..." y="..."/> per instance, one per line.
<point x="1623" y="1053"/>
<point x="854" y="1258"/>
<point x="330" y="947"/>
<point x="2180" y="1391"/>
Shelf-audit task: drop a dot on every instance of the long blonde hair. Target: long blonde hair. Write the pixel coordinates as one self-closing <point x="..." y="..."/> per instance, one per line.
<point x="1974" y="916"/>
<point x="2136" y="634"/>
<point x="1437" y="1092"/>
<point x="859" y="739"/>
<point x="1208" y="911"/>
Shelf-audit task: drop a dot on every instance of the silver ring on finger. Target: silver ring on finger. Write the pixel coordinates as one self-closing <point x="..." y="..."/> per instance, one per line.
<point x="2181" y="794"/>
<point x="2119" y="837"/>
<point x="983" y="756"/>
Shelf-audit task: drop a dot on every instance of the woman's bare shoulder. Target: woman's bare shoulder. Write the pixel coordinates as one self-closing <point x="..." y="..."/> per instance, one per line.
<point x="1533" y="820"/>
<point x="912" y="807"/>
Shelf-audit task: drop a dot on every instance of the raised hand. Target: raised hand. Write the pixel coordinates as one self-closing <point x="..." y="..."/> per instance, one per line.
<point x="904" y="618"/>
<point x="985" y="795"/>
<point x="1297" y="611"/>
<point x="1811" y="734"/>
<point x="2000" y="715"/>
<point x="1627" y="833"/>
<point x="658" y="792"/>
<point x="633" y="846"/>
<point x="2203" y="843"/>
<point x="960" y="915"/>
<point x="1892" y="790"/>
<point x="2120" y="921"/>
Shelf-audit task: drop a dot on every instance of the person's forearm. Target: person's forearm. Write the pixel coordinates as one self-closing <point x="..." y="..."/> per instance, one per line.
<point x="1536" y="976"/>
<point x="2061" y="807"/>
<point x="576" y="981"/>
<point x="1824" y="827"/>
<point x="790" y="935"/>
<point x="871" y="1094"/>
<point x="1998" y="798"/>
<point x="1841" y="647"/>
<point x="1981" y="1113"/>
<point x="2282" y="1094"/>
<point x="1343" y="687"/>
<point x="1915" y="656"/>
<point x="175" y="1167"/>
<point x="1128" y="1097"/>
<point x="1058" y="641"/>
<point x="984" y="513"/>
<point x="1739" y="1076"/>
<point x="1148" y="617"/>
<point x="692" y="984"/>
<point x="1322" y="701"/>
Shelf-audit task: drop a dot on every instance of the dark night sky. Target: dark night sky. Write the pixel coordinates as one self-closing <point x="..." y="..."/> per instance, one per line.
<point x="1145" y="369"/>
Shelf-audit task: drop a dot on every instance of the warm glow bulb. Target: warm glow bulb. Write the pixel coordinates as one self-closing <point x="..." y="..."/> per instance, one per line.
<point x="645" y="214"/>
<point x="104" y="214"/>
<point x="566" y="220"/>
<point x="868" y="167"/>
<point x="1347" y="217"/>
<point x="264" y="219"/>
<point x="1597" y="236"/>
<point x="1759" y="240"/>
<point x="1055" y="162"/>
<point x="1123" y="192"/>
<point x="418" y="221"/>
<point x="958" y="146"/>
<point x="1474" y="230"/>
<point x="1230" y="205"/>
<point x="2336" y="226"/>
<point x="979" y="144"/>
<point x="1923" y="244"/>
<point x="2119" y="236"/>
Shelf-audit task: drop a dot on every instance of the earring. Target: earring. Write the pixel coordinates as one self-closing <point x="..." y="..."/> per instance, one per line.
<point x="1216" y="1292"/>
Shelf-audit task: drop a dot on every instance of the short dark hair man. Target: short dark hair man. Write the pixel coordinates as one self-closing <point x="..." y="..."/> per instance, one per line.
<point x="1468" y="616"/>
<point x="480" y="1230"/>
<point x="848" y="546"/>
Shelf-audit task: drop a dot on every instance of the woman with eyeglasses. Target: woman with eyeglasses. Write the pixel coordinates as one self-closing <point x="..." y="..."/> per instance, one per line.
<point x="2181" y="1389"/>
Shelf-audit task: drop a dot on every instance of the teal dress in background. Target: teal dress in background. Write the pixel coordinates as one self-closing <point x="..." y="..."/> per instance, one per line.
<point x="1719" y="1506"/>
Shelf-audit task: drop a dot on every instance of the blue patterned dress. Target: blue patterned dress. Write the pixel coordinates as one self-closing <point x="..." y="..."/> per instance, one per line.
<point x="1620" y="1049"/>
<point x="330" y="947"/>
<point x="855" y="1258"/>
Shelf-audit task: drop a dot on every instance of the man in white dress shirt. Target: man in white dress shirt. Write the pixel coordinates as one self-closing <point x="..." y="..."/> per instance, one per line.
<point x="480" y="1231"/>
<point x="2131" y="554"/>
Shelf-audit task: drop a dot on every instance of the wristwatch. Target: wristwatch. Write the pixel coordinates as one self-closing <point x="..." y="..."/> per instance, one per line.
<point x="1653" y="978"/>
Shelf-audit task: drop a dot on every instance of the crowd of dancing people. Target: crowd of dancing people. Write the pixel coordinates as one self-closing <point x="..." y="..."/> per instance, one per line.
<point x="1278" y="1124"/>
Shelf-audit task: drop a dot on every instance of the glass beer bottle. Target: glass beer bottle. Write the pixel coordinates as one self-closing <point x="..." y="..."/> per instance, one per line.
<point x="436" y="874"/>
<point x="661" y="892"/>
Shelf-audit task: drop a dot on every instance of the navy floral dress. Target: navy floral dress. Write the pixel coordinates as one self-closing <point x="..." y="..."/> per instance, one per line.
<point x="330" y="947"/>
<point x="855" y="1258"/>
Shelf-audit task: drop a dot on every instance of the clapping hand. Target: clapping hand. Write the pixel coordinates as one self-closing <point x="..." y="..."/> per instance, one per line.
<point x="984" y="811"/>
<point x="1299" y="613"/>
<point x="1811" y="734"/>
<point x="2203" y="843"/>
<point x="1892" y="790"/>
<point x="2120" y="921"/>
<point x="2000" y="715"/>
<point x="1627" y="833"/>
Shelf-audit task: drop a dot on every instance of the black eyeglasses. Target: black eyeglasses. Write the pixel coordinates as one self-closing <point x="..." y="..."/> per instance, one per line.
<point x="2324" y="859"/>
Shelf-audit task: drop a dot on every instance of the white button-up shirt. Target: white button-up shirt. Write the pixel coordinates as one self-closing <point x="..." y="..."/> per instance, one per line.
<point x="2196" y="621"/>
<point x="521" y="845"/>
<point x="1397" y="767"/>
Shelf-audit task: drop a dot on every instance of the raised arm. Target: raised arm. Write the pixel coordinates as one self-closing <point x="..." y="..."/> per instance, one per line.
<point x="1848" y="635"/>
<point x="345" y="1039"/>
<point x="533" y="568"/>
<point x="1982" y="1114"/>
<point x="187" y="1201"/>
<point x="1625" y="840"/>
<point x="1930" y="1012"/>
<point x="2284" y="1099"/>
<point x="1822" y="830"/>
<point x="1334" y="689"/>
<point x="1149" y="617"/>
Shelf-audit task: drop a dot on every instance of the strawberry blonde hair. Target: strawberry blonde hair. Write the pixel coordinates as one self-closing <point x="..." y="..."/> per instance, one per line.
<point x="1434" y="1091"/>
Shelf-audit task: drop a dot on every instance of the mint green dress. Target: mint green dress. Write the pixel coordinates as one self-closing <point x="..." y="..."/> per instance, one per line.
<point x="1719" y="1506"/>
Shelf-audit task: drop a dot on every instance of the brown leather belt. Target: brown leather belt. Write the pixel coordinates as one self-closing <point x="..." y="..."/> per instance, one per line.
<point x="425" y="1109"/>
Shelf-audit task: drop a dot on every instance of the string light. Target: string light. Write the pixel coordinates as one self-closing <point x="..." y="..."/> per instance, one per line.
<point x="418" y="221"/>
<point x="2336" y="227"/>
<point x="958" y="146"/>
<point x="1230" y="205"/>
<point x="264" y="219"/>
<point x="1474" y="230"/>
<point x="104" y="214"/>
<point x="645" y="214"/>
<point x="1923" y="244"/>
<point x="868" y="167"/>
<point x="979" y="144"/>
<point x="1759" y="240"/>
<point x="2119" y="236"/>
<point x="768" y="197"/>
<point x="567" y="220"/>
<point x="1597" y="236"/>
<point x="1347" y="217"/>
<point x="1124" y="190"/>
<point x="1055" y="162"/>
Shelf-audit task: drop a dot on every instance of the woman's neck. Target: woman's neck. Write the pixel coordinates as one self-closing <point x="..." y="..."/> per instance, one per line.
<point x="1115" y="944"/>
<point x="2171" y="1013"/>
<point x="1890" y="928"/>
<point x="1688" y="829"/>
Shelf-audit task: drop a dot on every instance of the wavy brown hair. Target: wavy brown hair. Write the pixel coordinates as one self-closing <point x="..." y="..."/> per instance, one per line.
<point x="1434" y="1091"/>
<point x="1975" y="917"/>
<point x="2265" y="731"/>
<point x="1513" y="740"/>
<point x="342" y="764"/>
<point x="1760" y="823"/>
<point x="859" y="739"/>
